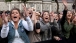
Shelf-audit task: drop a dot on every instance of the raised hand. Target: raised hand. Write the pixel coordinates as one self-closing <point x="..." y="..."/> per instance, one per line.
<point x="24" y="7"/>
<point x="65" y="3"/>
<point x="34" y="16"/>
<point x="52" y="17"/>
<point x="5" y="18"/>
<point x="33" y="9"/>
<point x="26" y="12"/>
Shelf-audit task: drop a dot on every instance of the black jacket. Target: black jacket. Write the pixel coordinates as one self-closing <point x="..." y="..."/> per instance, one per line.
<point x="56" y="29"/>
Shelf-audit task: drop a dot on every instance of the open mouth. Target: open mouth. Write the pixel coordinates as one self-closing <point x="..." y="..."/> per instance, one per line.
<point x="55" y="19"/>
<point x="69" y="15"/>
<point x="15" y="17"/>
<point x="30" y="13"/>
<point x="46" y="18"/>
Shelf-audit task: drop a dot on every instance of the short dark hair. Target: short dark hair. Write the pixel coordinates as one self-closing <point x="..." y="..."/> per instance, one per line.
<point x="44" y="12"/>
<point x="1" y="12"/>
<point x="8" y="12"/>
<point x="14" y="9"/>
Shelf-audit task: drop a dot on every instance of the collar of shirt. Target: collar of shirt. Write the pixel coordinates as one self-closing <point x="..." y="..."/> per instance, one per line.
<point x="13" y="22"/>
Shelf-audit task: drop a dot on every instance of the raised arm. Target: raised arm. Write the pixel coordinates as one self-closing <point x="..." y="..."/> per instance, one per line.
<point x="5" y="28"/>
<point x="27" y="18"/>
<point x="64" y="12"/>
<point x="30" y="24"/>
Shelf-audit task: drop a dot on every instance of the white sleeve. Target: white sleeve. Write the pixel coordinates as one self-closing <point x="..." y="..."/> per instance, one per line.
<point x="5" y="30"/>
<point x="25" y="25"/>
<point x="30" y="23"/>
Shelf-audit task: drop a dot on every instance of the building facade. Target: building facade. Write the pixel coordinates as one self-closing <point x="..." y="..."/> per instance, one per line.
<point x="39" y="5"/>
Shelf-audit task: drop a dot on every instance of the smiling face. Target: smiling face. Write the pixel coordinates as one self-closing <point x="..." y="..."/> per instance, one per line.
<point x="46" y="16"/>
<point x="15" y="15"/>
<point x="69" y="15"/>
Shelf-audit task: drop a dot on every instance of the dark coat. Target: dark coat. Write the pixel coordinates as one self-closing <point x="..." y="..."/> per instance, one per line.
<point x="46" y="33"/>
<point x="65" y="25"/>
<point x="56" y="29"/>
<point x="3" y="40"/>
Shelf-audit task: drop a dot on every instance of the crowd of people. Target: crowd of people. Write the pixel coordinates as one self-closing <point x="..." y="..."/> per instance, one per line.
<point x="30" y="26"/>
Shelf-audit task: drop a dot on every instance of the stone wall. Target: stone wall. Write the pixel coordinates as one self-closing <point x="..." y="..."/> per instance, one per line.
<point x="48" y="6"/>
<point x="61" y="6"/>
<point x="38" y="5"/>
